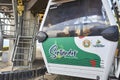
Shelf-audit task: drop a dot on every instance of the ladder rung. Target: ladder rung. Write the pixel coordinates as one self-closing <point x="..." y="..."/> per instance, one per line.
<point x="20" y="59"/>
<point x="21" y="53"/>
<point x="9" y="30"/>
<point x="5" y="4"/>
<point x="6" y="18"/>
<point x="6" y="11"/>
<point x="8" y="24"/>
<point x="23" y="48"/>
<point x="25" y="42"/>
<point x="9" y="36"/>
<point x="26" y="37"/>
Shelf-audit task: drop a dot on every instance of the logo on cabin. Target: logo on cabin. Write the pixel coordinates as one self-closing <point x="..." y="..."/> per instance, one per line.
<point x="86" y="43"/>
<point x="56" y="52"/>
<point x="98" y="44"/>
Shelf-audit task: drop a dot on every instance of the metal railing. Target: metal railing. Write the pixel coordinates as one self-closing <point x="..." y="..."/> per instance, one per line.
<point x="22" y="45"/>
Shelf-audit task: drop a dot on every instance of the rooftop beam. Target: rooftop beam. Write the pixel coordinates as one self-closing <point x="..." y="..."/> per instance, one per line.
<point x="5" y="4"/>
<point x="31" y="4"/>
<point x="6" y="11"/>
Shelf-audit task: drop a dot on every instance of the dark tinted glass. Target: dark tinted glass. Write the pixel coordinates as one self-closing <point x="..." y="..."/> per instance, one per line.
<point x="76" y="18"/>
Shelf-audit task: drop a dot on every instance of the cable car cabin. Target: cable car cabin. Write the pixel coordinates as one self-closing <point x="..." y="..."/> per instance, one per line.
<point x="77" y="39"/>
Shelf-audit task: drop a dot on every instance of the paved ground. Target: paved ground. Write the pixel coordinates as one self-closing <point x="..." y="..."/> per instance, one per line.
<point x="59" y="77"/>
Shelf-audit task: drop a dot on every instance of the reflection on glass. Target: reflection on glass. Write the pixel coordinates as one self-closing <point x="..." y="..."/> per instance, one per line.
<point x="77" y="18"/>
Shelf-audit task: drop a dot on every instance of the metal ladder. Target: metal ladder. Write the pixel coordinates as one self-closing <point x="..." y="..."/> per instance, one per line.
<point x="23" y="54"/>
<point x="23" y="44"/>
<point x="24" y="47"/>
<point x="24" y="40"/>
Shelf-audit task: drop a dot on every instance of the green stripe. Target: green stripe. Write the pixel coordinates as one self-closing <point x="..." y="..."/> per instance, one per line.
<point x="82" y="58"/>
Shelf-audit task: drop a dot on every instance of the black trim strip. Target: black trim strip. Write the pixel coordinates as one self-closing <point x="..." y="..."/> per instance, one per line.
<point x="22" y="75"/>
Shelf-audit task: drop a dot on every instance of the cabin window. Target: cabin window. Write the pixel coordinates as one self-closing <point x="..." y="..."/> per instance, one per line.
<point x="76" y="18"/>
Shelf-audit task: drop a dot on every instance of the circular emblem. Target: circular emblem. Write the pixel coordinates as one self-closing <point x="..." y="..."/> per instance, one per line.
<point x="86" y="43"/>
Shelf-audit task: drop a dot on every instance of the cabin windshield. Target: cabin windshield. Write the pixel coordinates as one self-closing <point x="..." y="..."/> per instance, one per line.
<point x="76" y="18"/>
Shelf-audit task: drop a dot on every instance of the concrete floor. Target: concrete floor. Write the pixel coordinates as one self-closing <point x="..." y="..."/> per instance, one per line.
<point x="59" y="77"/>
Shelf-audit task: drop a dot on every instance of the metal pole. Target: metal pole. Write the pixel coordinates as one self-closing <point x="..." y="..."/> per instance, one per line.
<point x="109" y="12"/>
<point x="14" y="2"/>
<point x="1" y="36"/>
<point x="45" y="15"/>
